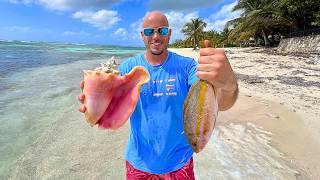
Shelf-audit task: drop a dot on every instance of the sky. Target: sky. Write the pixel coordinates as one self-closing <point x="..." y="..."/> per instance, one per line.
<point x="108" y="22"/>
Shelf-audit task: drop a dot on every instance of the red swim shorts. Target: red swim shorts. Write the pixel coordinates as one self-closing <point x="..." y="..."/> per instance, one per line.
<point x="184" y="173"/>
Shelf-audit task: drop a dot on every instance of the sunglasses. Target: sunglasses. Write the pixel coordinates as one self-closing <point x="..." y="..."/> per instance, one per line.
<point x="163" y="31"/>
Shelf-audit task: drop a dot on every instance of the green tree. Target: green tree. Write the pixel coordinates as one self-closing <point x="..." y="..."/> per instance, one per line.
<point x="219" y="39"/>
<point x="178" y="43"/>
<point x="194" y="31"/>
<point x="316" y="22"/>
<point x="213" y="36"/>
<point x="259" y="17"/>
<point x="304" y="13"/>
<point x="224" y="39"/>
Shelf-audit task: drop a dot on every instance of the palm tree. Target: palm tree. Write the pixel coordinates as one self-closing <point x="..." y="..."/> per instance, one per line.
<point x="258" y="17"/>
<point x="194" y="30"/>
<point x="316" y="21"/>
<point x="178" y="43"/>
<point x="224" y="37"/>
<point x="213" y="36"/>
<point x="304" y="13"/>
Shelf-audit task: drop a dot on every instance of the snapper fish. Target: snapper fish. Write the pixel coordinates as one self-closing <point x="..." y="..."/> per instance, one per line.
<point x="200" y="111"/>
<point x="110" y="99"/>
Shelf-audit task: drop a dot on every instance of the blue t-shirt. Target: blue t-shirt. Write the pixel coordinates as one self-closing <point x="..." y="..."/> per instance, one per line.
<point x="157" y="143"/>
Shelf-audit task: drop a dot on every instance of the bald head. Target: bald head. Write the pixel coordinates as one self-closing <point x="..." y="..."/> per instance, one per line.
<point x="156" y="42"/>
<point x="155" y="19"/>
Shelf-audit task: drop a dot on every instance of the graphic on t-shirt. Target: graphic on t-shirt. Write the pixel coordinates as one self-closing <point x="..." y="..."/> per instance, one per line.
<point x="169" y="87"/>
<point x="157" y="94"/>
<point x="171" y="79"/>
<point x="157" y="81"/>
<point x="164" y="87"/>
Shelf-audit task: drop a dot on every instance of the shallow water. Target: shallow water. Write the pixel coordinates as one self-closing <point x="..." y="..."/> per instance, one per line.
<point x="39" y="83"/>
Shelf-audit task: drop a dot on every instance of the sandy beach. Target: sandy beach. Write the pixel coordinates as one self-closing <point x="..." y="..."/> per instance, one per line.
<point x="280" y="94"/>
<point x="271" y="132"/>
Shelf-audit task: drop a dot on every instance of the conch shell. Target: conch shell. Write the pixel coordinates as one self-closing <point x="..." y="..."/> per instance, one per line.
<point x="110" y="99"/>
<point x="200" y="111"/>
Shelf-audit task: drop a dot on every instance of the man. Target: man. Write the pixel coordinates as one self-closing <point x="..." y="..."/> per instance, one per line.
<point x="157" y="147"/>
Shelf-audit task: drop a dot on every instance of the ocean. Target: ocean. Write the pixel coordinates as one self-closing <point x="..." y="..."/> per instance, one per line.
<point x="39" y="83"/>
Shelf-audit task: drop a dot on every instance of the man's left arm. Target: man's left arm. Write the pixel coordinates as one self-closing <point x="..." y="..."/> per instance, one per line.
<point x="215" y="68"/>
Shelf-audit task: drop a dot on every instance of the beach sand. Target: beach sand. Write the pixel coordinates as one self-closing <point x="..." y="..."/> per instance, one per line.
<point x="270" y="133"/>
<point x="280" y="94"/>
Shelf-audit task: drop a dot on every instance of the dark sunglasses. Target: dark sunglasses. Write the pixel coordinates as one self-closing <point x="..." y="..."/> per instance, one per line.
<point x="163" y="31"/>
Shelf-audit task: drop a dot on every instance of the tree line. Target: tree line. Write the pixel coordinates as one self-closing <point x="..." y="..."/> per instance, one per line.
<point x="261" y="23"/>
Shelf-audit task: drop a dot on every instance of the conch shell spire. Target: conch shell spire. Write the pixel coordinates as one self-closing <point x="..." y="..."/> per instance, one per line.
<point x="109" y="67"/>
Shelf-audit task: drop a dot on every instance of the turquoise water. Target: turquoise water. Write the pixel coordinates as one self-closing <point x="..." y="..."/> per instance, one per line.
<point x="39" y="83"/>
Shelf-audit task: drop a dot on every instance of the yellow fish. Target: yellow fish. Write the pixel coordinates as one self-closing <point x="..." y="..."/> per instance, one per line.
<point x="200" y="111"/>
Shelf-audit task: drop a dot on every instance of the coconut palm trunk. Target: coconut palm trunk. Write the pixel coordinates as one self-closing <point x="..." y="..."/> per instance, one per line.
<point x="265" y="38"/>
<point x="194" y="43"/>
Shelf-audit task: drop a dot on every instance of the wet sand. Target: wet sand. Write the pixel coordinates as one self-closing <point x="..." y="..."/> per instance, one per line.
<point x="270" y="133"/>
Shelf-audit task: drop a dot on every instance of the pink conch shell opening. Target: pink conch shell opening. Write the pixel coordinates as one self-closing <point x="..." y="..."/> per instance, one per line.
<point x="110" y="99"/>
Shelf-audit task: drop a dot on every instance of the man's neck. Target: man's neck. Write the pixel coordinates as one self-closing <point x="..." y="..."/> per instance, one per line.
<point x="156" y="59"/>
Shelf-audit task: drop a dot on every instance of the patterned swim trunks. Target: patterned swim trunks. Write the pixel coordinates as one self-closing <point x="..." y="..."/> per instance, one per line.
<point x="184" y="173"/>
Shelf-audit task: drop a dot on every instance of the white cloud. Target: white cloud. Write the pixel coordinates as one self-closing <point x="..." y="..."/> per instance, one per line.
<point x="180" y="5"/>
<point x="74" y="33"/>
<point x="121" y="32"/>
<point x="64" y="5"/>
<point x="19" y="1"/>
<point x="136" y="29"/>
<point x="102" y="19"/>
<point x="137" y="24"/>
<point x="177" y="20"/>
<point x="218" y="20"/>
<point x="77" y="4"/>
<point x="225" y="11"/>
